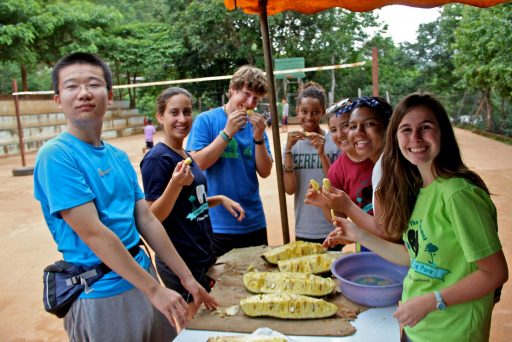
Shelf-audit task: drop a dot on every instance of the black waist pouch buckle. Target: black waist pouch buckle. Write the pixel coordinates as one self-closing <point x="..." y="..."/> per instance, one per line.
<point x="64" y="282"/>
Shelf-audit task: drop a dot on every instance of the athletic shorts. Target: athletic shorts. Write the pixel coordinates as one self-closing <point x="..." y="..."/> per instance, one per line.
<point x="127" y="317"/>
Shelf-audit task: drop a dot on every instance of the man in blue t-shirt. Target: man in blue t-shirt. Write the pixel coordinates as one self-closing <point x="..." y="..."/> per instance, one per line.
<point x="231" y="145"/>
<point x="95" y="211"/>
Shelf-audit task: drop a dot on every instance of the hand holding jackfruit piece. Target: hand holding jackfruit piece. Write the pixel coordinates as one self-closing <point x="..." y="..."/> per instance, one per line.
<point x="287" y="306"/>
<point x="287" y="282"/>
<point x="315" y="264"/>
<point x="326" y="185"/>
<point x="292" y="250"/>
<point x="314" y="185"/>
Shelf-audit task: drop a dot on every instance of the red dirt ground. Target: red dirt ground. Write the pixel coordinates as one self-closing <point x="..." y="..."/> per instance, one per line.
<point x="28" y="247"/>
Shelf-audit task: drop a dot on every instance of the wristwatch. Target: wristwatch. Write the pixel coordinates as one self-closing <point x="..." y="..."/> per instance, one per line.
<point x="441" y="305"/>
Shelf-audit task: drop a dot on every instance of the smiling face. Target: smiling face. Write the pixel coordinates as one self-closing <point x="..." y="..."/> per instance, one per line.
<point x="338" y="126"/>
<point x="83" y="96"/>
<point x="309" y="112"/>
<point x="176" y="119"/>
<point x="366" y="133"/>
<point x="419" y="139"/>
<point x="244" y="98"/>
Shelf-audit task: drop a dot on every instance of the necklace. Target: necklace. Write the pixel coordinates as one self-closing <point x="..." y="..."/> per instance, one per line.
<point x="180" y="151"/>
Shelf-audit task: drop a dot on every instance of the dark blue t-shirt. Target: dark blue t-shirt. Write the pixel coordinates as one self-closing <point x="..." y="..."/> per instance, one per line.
<point x="188" y="224"/>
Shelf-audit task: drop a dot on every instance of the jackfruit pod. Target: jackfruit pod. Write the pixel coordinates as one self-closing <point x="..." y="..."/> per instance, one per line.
<point x="319" y="263"/>
<point x="326" y="185"/>
<point x="292" y="250"/>
<point x="287" y="282"/>
<point x="287" y="306"/>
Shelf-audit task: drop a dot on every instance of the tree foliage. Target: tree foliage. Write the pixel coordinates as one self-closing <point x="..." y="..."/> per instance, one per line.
<point x="462" y="56"/>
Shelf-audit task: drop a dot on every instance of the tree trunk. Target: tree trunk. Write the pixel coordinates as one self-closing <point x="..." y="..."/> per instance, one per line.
<point x="333" y="83"/>
<point x="118" y="81"/>
<point x="130" y="90"/>
<point x="133" y="99"/>
<point x="24" y="83"/>
<point x="488" y="111"/>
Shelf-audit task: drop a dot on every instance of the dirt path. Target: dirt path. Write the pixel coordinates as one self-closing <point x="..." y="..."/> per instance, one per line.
<point x="27" y="246"/>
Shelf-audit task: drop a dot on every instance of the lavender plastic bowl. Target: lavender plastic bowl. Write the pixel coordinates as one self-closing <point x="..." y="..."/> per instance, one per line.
<point x="367" y="279"/>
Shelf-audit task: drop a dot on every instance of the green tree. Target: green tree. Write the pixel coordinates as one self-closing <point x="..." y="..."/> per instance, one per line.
<point x="20" y="24"/>
<point x="482" y="58"/>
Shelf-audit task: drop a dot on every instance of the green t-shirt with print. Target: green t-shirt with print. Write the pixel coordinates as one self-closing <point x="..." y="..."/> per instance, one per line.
<point x="453" y="224"/>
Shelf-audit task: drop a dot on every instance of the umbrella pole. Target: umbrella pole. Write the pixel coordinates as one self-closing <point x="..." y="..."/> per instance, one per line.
<point x="267" y="52"/>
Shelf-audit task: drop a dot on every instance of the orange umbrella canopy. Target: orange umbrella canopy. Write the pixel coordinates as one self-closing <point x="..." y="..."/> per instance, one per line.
<point x="314" y="6"/>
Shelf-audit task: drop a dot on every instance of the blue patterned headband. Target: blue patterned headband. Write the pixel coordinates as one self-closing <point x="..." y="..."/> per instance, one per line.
<point x="335" y="108"/>
<point x="365" y="101"/>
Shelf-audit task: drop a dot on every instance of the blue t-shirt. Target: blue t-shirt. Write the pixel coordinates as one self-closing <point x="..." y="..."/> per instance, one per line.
<point x="69" y="173"/>
<point x="233" y="174"/>
<point x="188" y="224"/>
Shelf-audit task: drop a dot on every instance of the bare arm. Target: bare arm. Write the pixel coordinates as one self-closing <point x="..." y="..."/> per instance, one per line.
<point x="262" y="157"/>
<point x="289" y="178"/>
<point x="318" y="142"/>
<point x="153" y="232"/>
<point x="342" y="204"/>
<point x="347" y="230"/>
<point x="492" y="272"/>
<point x="233" y="207"/>
<point x="162" y="207"/>
<point x="110" y="250"/>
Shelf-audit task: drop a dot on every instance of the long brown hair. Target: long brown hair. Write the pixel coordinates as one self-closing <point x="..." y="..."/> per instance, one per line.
<point x="401" y="181"/>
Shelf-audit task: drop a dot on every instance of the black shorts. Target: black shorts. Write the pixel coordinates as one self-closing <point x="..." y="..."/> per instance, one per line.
<point x="173" y="282"/>
<point x="223" y="243"/>
<point x="149" y="144"/>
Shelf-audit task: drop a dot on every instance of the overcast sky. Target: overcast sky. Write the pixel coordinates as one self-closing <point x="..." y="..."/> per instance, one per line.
<point x="403" y="21"/>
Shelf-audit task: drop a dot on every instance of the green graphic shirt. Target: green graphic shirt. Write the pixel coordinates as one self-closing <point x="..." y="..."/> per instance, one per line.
<point x="453" y="224"/>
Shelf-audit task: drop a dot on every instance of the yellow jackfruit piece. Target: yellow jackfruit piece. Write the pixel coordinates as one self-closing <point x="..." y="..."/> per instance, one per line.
<point x="292" y="250"/>
<point x="315" y="264"/>
<point x="287" y="282"/>
<point x="188" y="161"/>
<point x="287" y="306"/>
<point x="314" y="184"/>
<point x="326" y="184"/>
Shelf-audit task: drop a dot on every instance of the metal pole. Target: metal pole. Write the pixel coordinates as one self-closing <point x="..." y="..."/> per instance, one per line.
<point x="18" y="121"/>
<point x="375" y="71"/>
<point x="267" y="52"/>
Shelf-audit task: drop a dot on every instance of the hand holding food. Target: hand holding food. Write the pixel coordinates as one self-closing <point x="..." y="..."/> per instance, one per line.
<point x="314" y="184"/>
<point x="326" y="185"/>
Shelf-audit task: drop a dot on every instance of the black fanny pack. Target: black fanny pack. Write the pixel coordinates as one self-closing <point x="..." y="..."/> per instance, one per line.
<point x="64" y="282"/>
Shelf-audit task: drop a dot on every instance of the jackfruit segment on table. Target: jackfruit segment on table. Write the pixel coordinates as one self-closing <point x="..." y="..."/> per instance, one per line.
<point x="287" y="306"/>
<point x="316" y="264"/>
<point x="288" y="282"/>
<point x="293" y="250"/>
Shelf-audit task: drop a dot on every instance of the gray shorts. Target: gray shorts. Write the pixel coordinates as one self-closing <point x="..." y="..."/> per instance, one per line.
<point x="129" y="316"/>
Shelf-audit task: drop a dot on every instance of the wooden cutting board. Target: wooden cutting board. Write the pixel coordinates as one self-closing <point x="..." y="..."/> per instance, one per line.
<point x="229" y="290"/>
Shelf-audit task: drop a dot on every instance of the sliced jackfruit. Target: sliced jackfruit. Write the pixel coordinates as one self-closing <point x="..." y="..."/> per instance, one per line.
<point x="246" y="338"/>
<point x="314" y="184"/>
<point x="319" y="263"/>
<point x="287" y="282"/>
<point x="188" y="161"/>
<point x="293" y="250"/>
<point x="287" y="306"/>
<point x="326" y="185"/>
